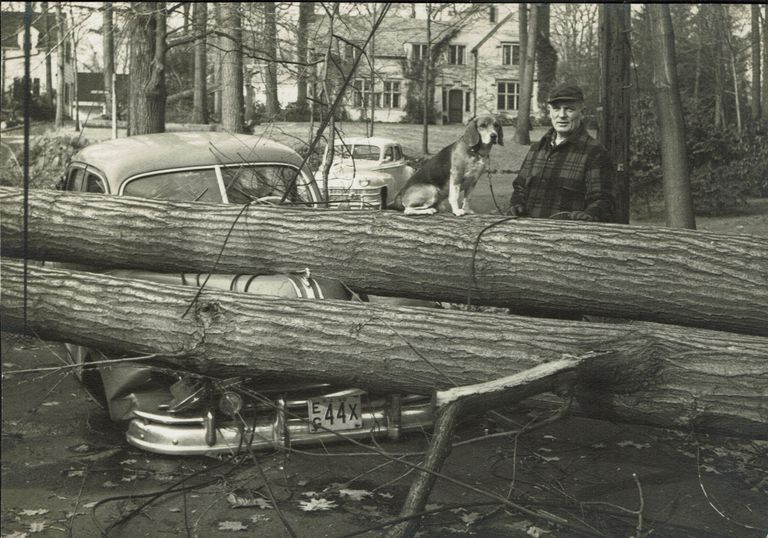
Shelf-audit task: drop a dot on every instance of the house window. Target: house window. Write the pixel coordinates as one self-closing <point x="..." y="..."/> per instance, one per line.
<point x="456" y="54"/>
<point x="492" y="13"/>
<point x="467" y="99"/>
<point x="363" y="90"/>
<point x="391" y="94"/>
<point x="510" y="54"/>
<point x="508" y="95"/>
<point x="418" y="51"/>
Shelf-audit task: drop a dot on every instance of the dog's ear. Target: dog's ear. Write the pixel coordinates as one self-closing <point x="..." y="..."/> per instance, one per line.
<point x="499" y="132"/>
<point x="471" y="137"/>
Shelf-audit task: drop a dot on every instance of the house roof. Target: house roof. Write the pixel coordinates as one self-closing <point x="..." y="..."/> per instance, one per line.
<point x="493" y="30"/>
<point x="12" y="25"/>
<point x="393" y="34"/>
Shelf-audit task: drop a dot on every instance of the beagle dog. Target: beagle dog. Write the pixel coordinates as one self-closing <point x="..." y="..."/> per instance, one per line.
<point x="453" y="173"/>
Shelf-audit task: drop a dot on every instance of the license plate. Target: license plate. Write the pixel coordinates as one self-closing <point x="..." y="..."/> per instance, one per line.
<point x="344" y="413"/>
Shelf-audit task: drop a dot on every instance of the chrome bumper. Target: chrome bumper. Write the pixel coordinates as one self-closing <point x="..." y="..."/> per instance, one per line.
<point x="358" y="198"/>
<point x="167" y="434"/>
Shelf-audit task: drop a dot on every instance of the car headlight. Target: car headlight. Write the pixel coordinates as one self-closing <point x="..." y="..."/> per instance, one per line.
<point x="230" y="403"/>
<point x="365" y="182"/>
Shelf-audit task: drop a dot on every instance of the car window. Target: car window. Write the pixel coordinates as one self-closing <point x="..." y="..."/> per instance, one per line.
<point x="93" y="183"/>
<point x="74" y="180"/>
<point x="363" y="151"/>
<point x="248" y="183"/>
<point x="180" y="186"/>
<point x="398" y="154"/>
<point x="389" y="154"/>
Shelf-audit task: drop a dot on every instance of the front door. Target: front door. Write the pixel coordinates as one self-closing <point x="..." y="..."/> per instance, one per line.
<point x="455" y="106"/>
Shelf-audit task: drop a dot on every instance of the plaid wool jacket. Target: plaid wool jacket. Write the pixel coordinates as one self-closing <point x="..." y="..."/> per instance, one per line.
<point x="576" y="175"/>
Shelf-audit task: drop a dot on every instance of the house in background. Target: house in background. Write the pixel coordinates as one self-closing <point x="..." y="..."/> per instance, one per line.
<point x="12" y="57"/>
<point x="91" y="97"/>
<point x="477" y="70"/>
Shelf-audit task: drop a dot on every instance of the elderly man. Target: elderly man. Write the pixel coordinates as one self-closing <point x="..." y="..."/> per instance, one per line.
<point x="567" y="174"/>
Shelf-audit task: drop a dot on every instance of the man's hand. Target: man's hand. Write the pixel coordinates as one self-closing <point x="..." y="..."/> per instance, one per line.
<point x="516" y="211"/>
<point x="581" y="215"/>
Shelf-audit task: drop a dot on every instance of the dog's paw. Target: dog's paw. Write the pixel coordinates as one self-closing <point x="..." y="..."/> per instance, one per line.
<point x="468" y="211"/>
<point x="431" y="211"/>
<point x="459" y="212"/>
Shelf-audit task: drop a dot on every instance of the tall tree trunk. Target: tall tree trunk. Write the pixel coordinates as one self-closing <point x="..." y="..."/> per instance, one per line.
<point x="546" y="57"/>
<point x="108" y="44"/>
<point x="200" y="95"/>
<point x="757" y="109"/>
<point x="678" y="202"/>
<point x="732" y="61"/>
<point x="524" y="264"/>
<point x="232" y="69"/>
<point x="615" y="83"/>
<point x="372" y="66"/>
<point x="523" y="127"/>
<point x="270" y="47"/>
<point x="425" y="86"/>
<point x="648" y="373"/>
<point x="48" y="48"/>
<point x="522" y="30"/>
<point x="720" y="120"/>
<point x="217" y="63"/>
<point x="61" y="70"/>
<point x="306" y="12"/>
<point x="765" y="59"/>
<point x="147" y="68"/>
<point x="75" y="97"/>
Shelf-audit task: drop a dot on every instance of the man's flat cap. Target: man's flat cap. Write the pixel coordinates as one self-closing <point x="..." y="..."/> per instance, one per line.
<point x="566" y="92"/>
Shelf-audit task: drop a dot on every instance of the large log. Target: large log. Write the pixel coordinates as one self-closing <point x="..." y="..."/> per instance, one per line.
<point x="674" y="276"/>
<point x="644" y="372"/>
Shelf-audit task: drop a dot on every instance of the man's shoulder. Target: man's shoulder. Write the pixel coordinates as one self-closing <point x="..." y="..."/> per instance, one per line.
<point x="592" y="144"/>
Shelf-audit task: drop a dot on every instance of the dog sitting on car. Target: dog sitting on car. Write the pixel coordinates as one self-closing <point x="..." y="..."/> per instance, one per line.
<point x="446" y="181"/>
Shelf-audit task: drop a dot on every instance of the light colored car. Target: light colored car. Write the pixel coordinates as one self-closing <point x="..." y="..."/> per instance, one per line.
<point x="366" y="172"/>
<point x="176" y="412"/>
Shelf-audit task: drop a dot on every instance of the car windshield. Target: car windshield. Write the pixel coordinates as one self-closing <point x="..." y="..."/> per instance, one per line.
<point x="259" y="182"/>
<point x="366" y="152"/>
<point x="180" y="186"/>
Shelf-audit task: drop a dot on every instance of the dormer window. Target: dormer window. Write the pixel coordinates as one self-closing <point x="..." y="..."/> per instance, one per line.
<point x="418" y="51"/>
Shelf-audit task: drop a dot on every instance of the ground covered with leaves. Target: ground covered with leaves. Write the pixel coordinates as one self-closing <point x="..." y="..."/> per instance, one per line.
<point x="67" y="469"/>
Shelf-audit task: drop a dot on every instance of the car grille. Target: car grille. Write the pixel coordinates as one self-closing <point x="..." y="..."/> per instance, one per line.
<point x="355" y="198"/>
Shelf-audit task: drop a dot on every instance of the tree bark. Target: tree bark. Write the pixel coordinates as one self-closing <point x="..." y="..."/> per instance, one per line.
<point x="615" y="82"/>
<point x="200" y="94"/>
<point x="270" y="48"/>
<point x="60" y="57"/>
<point x="523" y="127"/>
<point x="757" y="109"/>
<point x="306" y="12"/>
<point x="108" y="37"/>
<point x="678" y="202"/>
<point x="546" y="57"/>
<point x="522" y="29"/>
<point x="48" y="48"/>
<point x="217" y="66"/>
<point x="232" y="69"/>
<point x="147" y="68"/>
<point x="674" y="276"/>
<point x="649" y="373"/>
<point x="425" y="85"/>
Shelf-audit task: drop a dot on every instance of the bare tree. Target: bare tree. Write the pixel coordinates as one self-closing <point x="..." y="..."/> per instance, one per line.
<point x="48" y="47"/>
<point x="232" y="69"/>
<point x="522" y="29"/>
<point x="426" y="86"/>
<point x="108" y="44"/>
<point x="60" y="59"/>
<point x="678" y="202"/>
<point x="546" y="56"/>
<point x="757" y="111"/>
<point x="270" y="49"/>
<point x="522" y="135"/>
<point x="147" y="68"/>
<point x="306" y="11"/>
<point x="200" y="94"/>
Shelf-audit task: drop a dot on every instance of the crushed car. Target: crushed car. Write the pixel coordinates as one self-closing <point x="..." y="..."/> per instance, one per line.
<point x="184" y="413"/>
<point x="365" y="172"/>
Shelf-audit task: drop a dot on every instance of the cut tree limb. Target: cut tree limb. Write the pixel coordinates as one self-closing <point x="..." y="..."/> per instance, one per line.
<point x="682" y="277"/>
<point x="648" y="373"/>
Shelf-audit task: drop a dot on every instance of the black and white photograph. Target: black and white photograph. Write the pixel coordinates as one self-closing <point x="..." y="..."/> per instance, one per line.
<point x="425" y="269"/>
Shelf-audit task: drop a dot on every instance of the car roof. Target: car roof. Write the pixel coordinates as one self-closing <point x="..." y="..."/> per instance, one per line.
<point x="127" y="157"/>
<point x="372" y="140"/>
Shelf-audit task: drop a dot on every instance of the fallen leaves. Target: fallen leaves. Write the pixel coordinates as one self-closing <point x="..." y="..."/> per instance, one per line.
<point x="233" y="526"/>
<point x="316" y="505"/>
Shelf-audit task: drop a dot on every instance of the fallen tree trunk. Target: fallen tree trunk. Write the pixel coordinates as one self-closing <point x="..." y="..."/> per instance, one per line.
<point x="657" y="274"/>
<point x="650" y="373"/>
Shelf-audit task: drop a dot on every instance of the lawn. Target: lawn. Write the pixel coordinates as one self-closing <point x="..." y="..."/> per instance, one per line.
<point x="492" y="192"/>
